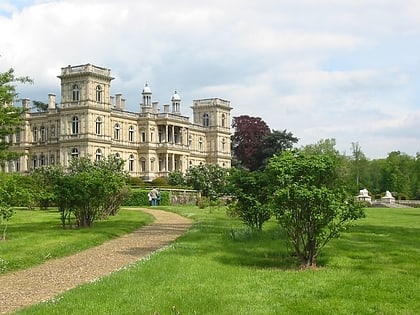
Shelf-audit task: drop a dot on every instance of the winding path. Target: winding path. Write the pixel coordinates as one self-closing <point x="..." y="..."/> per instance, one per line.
<point x="22" y="288"/>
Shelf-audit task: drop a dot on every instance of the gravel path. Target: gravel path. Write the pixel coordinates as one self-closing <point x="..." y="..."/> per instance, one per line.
<point x="43" y="282"/>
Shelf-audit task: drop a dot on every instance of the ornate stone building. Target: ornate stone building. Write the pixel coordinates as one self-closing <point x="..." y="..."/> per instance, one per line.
<point x="89" y="121"/>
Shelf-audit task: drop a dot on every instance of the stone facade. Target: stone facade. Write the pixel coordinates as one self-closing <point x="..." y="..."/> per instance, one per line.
<point x="89" y="121"/>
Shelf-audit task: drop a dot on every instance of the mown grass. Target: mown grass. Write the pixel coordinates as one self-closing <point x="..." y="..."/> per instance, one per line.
<point x="35" y="236"/>
<point x="219" y="267"/>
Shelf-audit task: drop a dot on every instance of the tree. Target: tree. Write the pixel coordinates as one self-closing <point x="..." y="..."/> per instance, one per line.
<point x="176" y="178"/>
<point x="310" y="201"/>
<point x="250" y="193"/>
<point x="87" y="190"/>
<point x="11" y="119"/>
<point x="209" y="179"/>
<point x="276" y="142"/>
<point x="247" y="140"/>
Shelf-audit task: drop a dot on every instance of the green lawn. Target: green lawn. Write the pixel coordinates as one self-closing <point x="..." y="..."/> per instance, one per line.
<point x="219" y="267"/>
<point x="35" y="236"/>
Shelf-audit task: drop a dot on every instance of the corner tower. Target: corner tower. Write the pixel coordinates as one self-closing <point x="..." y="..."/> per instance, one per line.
<point x="214" y="115"/>
<point x="85" y="85"/>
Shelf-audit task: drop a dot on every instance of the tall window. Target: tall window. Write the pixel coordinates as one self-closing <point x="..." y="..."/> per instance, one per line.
<point x="206" y="120"/>
<point x="200" y="144"/>
<point x="143" y="165"/>
<point x="131" y="163"/>
<point x="52" y="160"/>
<point x="223" y="120"/>
<point x="98" y="94"/>
<point x="117" y="132"/>
<point x="98" y="126"/>
<point x="35" y="133"/>
<point x="98" y="154"/>
<point x="75" y="125"/>
<point x="42" y="134"/>
<point x="223" y="144"/>
<point x="18" y="136"/>
<point x="17" y="165"/>
<point x="76" y="93"/>
<point x="34" y="161"/>
<point x="143" y="137"/>
<point x="131" y="134"/>
<point x="74" y="153"/>
<point x="42" y="160"/>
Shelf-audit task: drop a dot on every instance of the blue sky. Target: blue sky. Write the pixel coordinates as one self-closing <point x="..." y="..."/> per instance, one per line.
<point x="343" y="69"/>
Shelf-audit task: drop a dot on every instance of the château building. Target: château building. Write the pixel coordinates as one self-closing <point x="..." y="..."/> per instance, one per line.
<point x="89" y="121"/>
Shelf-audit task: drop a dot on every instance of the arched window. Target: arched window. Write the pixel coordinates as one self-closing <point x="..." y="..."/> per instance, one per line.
<point x="74" y="153"/>
<point x="131" y="163"/>
<point x="117" y="132"/>
<point x="75" y="125"/>
<point x="223" y="145"/>
<point x="223" y="120"/>
<point x="98" y="155"/>
<point x="98" y="93"/>
<point x="206" y="120"/>
<point x="131" y="134"/>
<point x="98" y="126"/>
<point x="76" y="93"/>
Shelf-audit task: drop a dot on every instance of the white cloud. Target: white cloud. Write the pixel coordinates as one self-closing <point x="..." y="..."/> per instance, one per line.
<point x="345" y="69"/>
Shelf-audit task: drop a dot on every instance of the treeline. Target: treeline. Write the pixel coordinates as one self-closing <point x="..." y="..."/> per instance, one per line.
<point x="254" y="143"/>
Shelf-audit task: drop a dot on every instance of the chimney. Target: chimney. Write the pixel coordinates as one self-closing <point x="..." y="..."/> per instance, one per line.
<point x="166" y="108"/>
<point x="123" y="103"/>
<point x="25" y="103"/>
<point x="118" y="100"/>
<point x="51" y="101"/>
<point x="112" y="100"/>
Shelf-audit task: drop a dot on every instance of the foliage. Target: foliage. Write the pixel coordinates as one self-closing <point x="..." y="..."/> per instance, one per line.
<point x="209" y="179"/>
<point x="276" y="142"/>
<point x="247" y="139"/>
<point x="40" y="106"/>
<point x="159" y="182"/>
<point x="135" y="181"/>
<point x="11" y="120"/>
<point x="309" y="200"/>
<point x="139" y="198"/>
<point x="250" y="192"/>
<point x="253" y="143"/>
<point x="176" y="178"/>
<point x="87" y="190"/>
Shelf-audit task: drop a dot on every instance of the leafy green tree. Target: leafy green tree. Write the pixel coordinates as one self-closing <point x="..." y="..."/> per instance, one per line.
<point x="250" y="193"/>
<point x="209" y="179"/>
<point x="276" y="142"/>
<point x="87" y="190"/>
<point x="176" y="178"/>
<point x="309" y="199"/>
<point x="11" y="120"/>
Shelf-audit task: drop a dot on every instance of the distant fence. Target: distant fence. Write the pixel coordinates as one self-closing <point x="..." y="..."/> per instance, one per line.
<point x="409" y="203"/>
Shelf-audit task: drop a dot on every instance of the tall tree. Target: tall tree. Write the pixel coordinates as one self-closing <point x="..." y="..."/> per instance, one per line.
<point x="11" y="120"/>
<point x="248" y="139"/>
<point x="276" y="142"/>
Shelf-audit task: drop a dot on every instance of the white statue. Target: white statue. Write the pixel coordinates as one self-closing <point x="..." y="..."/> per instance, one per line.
<point x="388" y="194"/>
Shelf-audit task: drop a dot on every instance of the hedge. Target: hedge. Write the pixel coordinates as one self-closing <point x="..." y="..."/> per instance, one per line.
<point x="140" y="198"/>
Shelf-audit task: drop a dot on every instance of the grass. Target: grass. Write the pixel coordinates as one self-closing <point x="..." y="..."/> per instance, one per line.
<point x="35" y="236"/>
<point x="220" y="267"/>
